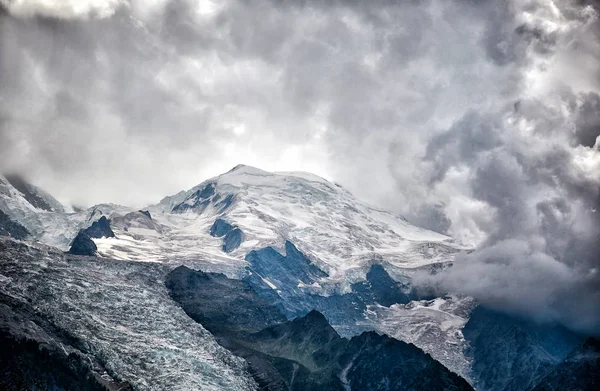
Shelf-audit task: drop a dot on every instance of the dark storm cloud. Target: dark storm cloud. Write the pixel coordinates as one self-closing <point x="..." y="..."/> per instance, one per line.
<point x="587" y="126"/>
<point x="462" y="143"/>
<point x="540" y="256"/>
<point x="474" y="118"/>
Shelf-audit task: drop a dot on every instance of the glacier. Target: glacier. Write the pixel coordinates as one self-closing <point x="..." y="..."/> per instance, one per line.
<point x="300" y="241"/>
<point x="341" y="236"/>
<point x="121" y="313"/>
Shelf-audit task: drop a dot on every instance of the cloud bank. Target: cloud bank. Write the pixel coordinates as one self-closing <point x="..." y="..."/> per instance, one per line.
<point x="475" y="118"/>
<point x="63" y="9"/>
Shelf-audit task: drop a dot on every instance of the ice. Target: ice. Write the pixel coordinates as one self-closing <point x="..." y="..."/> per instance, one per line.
<point x="123" y="315"/>
<point x="340" y="234"/>
<point x="324" y="221"/>
<point x="269" y="283"/>
<point x="433" y="325"/>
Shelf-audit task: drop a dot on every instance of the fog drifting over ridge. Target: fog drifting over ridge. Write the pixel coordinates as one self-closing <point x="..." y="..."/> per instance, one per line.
<point x="474" y="118"/>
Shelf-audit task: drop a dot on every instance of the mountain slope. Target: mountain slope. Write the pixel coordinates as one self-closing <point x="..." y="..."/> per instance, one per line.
<point x="305" y="353"/>
<point x="37" y="355"/>
<point x="323" y="220"/>
<point x="579" y="371"/>
<point x="341" y="235"/>
<point x="120" y="314"/>
<point x="37" y="197"/>
<point x="335" y="235"/>
<point x="12" y="228"/>
<point x="513" y="354"/>
<point x="299" y="243"/>
<point x="44" y="218"/>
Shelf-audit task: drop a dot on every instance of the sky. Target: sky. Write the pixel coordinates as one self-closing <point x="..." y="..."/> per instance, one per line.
<point x="476" y="118"/>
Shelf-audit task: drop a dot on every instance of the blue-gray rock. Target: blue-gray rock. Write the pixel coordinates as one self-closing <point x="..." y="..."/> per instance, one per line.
<point x="580" y="371"/>
<point x="232" y="240"/>
<point x="220" y="228"/>
<point x="199" y="200"/>
<point x="268" y="268"/>
<point x="513" y="354"/>
<point x="380" y="288"/>
<point x="100" y="229"/>
<point x="83" y="245"/>
<point x="220" y="304"/>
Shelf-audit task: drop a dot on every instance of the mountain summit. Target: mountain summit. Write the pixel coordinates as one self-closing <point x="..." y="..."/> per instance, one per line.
<point x="285" y="244"/>
<point x="323" y="220"/>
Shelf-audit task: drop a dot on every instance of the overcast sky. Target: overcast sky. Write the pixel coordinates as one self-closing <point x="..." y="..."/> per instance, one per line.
<point x="471" y="117"/>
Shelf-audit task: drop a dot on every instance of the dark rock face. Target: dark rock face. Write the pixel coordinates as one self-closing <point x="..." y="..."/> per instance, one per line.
<point x="381" y="363"/>
<point x="202" y="198"/>
<point x="513" y="354"/>
<point x="220" y="304"/>
<point x="269" y="268"/>
<point x="580" y="371"/>
<point x="380" y="288"/>
<point x="11" y="228"/>
<point x="35" y="355"/>
<point x="24" y="188"/>
<point x="232" y="236"/>
<point x="198" y="200"/>
<point x="100" y="229"/>
<point x="83" y="245"/>
<point x="220" y="228"/>
<point x="305" y="353"/>
<point x="233" y="240"/>
<point x="224" y="203"/>
<point x="207" y="191"/>
<point x="287" y="269"/>
<point x="145" y="212"/>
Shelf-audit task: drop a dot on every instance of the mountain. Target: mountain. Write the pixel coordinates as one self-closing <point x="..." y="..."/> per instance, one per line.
<point x="37" y="197"/>
<point x="322" y="220"/>
<point x="36" y="212"/>
<point x="337" y="236"/>
<point x="268" y="250"/>
<point x="11" y="228"/>
<point x="339" y="233"/>
<point x="513" y="354"/>
<point x="579" y="371"/>
<point x="95" y="318"/>
<point x="305" y="353"/>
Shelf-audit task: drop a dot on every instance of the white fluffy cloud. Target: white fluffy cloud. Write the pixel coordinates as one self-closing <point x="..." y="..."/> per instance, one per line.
<point x="63" y="9"/>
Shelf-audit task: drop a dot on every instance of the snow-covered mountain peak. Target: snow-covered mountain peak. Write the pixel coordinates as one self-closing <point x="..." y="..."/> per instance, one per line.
<point x="336" y="231"/>
<point x="340" y="234"/>
<point x="293" y="233"/>
<point x="241" y="177"/>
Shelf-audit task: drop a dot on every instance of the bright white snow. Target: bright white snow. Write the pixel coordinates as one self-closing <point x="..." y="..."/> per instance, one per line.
<point x="342" y="235"/>
<point x="339" y="233"/>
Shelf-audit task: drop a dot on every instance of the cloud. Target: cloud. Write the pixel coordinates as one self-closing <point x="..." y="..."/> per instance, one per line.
<point x="518" y="276"/>
<point x="63" y="9"/>
<point x="474" y="118"/>
<point x="587" y="125"/>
